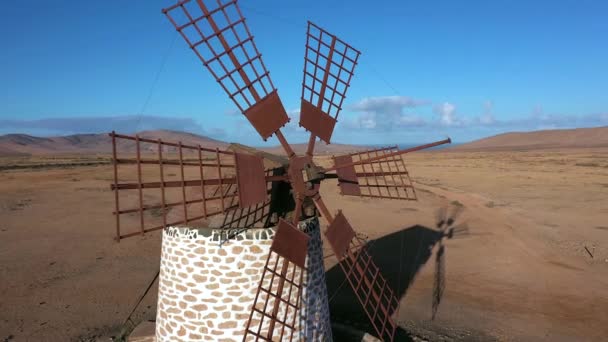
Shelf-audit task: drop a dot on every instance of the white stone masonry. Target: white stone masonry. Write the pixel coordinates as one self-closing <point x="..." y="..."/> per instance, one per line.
<point x="206" y="291"/>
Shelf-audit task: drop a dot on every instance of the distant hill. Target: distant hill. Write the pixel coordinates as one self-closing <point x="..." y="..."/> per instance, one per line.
<point x="538" y="140"/>
<point x="26" y="145"/>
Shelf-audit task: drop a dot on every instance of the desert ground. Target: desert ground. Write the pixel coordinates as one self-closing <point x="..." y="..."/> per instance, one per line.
<point x="532" y="267"/>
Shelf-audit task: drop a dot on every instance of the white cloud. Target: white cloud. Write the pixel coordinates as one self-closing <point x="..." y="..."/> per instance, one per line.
<point x="487" y="118"/>
<point x="447" y="114"/>
<point x="101" y="124"/>
<point x="232" y="112"/>
<point x="386" y="104"/>
<point x="294" y="121"/>
<point x="368" y="120"/>
<point x="385" y="113"/>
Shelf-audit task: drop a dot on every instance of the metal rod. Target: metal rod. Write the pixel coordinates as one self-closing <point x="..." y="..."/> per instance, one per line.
<point x="298" y="297"/>
<point x="175" y="184"/>
<point x="369" y="190"/>
<point x="291" y="286"/>
<point x="139" y="187"/>
<point x="241" y="216"/>
<point x="116" y="203"/>
<point x="200" y="160"/>
<point x="217" y="33"/>
<point x="275" y="309"/>
<point x="219" y="172"/>
<point x="327" y="65"/>
<point x="233" y="58"/>
<point x="173" y="204"/>
<point x="284" y="143"/>
<point x="388" y="197"/>
<point x="298" y="211"/>
<point x="340" y="40"/>
<point x="379" y="150"/>
<point x="365" y="174"/>
<point x="388" y="164"/>
<point x="311" y="144"/>
<point x="181" y="166"/>
<point x="273" y="271"/>
<point x="375" y="176"/>
<point x="384" y="177"/>
<point x="173" y="223"/>
<point x="407" y="150"/>
<point x="191" y="147"/>
<point x="168" y="162"/>
<point x="162" y="181"/>
<point x="322" y="208"/>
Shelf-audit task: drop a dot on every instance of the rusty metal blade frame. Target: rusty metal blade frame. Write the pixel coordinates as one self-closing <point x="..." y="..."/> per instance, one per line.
<point x="365" y="279"/>
<point x="277" y="312"/>
<point x="371" y="288"/>
<point x="218" y="34"/>
<point x="239" y="220"/>
<point x="388" y="177"/>
<point x="338" y="50"/>
<point x="225" y="192"/>
<point x="384" y="176"/>
<point x="392" y="154"/>
<point x="229" y="29"/>
<point x="338" y="53"/>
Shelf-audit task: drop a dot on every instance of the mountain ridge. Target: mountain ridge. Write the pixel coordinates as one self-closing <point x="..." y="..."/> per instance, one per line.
<point x="539" y="140"/>
<point x="18" y="144"/>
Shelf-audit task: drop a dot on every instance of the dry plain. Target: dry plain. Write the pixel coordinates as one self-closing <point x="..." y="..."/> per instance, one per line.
<point x="522" y="272"/>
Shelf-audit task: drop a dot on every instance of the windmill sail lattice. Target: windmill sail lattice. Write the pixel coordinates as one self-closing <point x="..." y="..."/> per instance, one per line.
<point x="274" y="314"/>
<point x="369" y="285"/>
<point x="329" y="64"/>
<point x="191" y="183"/>
<point x="219" y="36"/>
<point x="386" y="177"/>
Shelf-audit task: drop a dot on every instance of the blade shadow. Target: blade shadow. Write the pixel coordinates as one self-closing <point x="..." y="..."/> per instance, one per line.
<point x="400" y="256"/>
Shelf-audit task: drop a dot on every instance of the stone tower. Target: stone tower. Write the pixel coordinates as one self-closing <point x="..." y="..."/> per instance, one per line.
<point x="206" y="291"/>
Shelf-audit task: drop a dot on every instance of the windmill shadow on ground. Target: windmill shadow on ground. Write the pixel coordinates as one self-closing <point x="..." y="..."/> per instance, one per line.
<point x="399" y="256"/>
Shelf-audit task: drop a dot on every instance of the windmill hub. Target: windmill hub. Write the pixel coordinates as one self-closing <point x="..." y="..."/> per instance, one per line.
<point x="304" y="176"/>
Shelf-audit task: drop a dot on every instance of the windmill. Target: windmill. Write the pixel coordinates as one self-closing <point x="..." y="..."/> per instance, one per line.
<point x="217" y="33"/>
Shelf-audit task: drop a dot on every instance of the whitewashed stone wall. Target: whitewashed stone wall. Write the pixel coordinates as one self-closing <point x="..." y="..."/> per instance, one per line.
<point x="206" y="291"/>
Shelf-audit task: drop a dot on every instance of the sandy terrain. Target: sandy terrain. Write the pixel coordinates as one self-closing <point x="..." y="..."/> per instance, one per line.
<point x="522" y="272"/>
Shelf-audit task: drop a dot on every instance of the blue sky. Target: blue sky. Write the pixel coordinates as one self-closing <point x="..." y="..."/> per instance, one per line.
<point x="428" y="69"/>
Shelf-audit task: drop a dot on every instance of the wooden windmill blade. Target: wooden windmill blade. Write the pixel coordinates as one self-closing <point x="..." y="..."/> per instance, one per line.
<point x="274" y="314"/>
<point x="218" y="34"/>
<point x="159" y="184"/>
<point x="329" y="65"/>
<point x="379" y="173"/>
